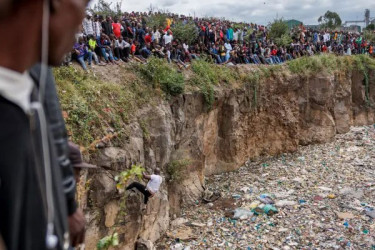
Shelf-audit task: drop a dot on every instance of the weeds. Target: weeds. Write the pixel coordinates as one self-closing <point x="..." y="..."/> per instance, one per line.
<point x="162" y="75"/>
<point x="176" y="169"/>
<point x="207" y="75"/>
<point x="93" y="106"/>
<point x="145" y="131"/>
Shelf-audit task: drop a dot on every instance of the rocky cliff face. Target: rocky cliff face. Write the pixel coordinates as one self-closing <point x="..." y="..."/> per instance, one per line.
<point x="275" y="117"/>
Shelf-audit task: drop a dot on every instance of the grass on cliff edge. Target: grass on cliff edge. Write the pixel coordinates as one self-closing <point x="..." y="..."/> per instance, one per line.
<point x="93" y="106"/>
<point x="330" y="63"/>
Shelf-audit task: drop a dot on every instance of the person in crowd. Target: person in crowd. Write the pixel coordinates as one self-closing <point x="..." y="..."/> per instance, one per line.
<point x="88" y="25"/>
<point x="156" y="35"/>
<point x="104" y="44"/>
<point x="228" y="49"/>
<point x="122" y="49"/>
<point x="93" y="46"/>
<point x="82" y="53"/>
<point x="148" y="38"/>
<point x="117" y="28"/>
<point x="230" y="33"/>
<point x="107" y="26"/>
<point x="168" y="38"/>
<point x="97" y="27"/>
<point x="152" y="187"/>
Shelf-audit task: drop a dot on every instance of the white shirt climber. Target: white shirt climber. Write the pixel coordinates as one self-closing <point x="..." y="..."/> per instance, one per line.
<point x="154" y="183"/>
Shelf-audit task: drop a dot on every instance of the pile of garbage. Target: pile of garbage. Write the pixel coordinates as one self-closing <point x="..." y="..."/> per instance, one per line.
<point x="322" y="196"/>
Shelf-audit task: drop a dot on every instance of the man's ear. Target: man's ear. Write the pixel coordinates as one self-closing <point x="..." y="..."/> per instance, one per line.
<point x="54" y="5"/>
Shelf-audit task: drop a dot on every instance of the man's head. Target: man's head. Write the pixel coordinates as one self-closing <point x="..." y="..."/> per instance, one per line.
<point x="81" y="40"/>
<point x="88" y="15"/>
<point x="157" y="171"/>
<point x="65" y="17"/>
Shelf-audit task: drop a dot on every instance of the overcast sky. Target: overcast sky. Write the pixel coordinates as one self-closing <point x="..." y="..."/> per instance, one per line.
<point x="258" y="11"/>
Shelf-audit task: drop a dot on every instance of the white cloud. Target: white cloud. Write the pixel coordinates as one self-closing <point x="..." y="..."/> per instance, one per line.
<point x="259" y="11"/>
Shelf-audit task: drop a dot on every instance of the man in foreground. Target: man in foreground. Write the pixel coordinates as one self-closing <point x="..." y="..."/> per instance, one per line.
<point x="33" y="207"/>
<point x="153" y="185"/>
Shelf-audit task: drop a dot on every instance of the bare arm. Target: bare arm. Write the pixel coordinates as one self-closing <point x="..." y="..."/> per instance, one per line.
<point x="145" y="176"/>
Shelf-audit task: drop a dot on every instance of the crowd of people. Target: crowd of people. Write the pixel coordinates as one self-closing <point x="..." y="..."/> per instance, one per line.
<point x="110" y="40"/>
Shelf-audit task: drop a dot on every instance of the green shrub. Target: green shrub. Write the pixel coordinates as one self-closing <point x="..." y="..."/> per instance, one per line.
<point x="176" y="169"/>
<point x="285" y="40"/>
<point x="163" y="75"/>
<point x="157" y="20"/>
<point x="279" y="32"/>
<point x="105" y="9"/>
<point x="207" y="75"/>
<point x="107" y="242"/>
<point x="92" y="105"/>
<point x="314" y="64"/>
<point x="185" y="32"/>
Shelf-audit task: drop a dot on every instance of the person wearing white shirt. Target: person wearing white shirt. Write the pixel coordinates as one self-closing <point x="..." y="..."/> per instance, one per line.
<point x="168" y="38"/>
<point x="156" y="35"/>
<point x="228" y="49"/>
<point x="152" y="187"/>
<point x="186" y="47"/>
<point x="326" y="37"/>
<point x="235" y="35"/>
<point x="122" y="49"/>
<point x="97" y="28"/>
<point x="88" y="27"/>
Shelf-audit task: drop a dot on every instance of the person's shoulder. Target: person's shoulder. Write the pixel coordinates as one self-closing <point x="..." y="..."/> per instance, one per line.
<point x="13" y="119"/>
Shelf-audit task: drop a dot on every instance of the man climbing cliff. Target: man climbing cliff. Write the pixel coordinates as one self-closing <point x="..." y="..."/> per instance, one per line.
<point x="153" y="185"/>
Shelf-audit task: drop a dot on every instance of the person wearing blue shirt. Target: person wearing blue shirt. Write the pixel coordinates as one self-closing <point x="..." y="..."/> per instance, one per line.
<point x="105" y="47"/>
<point x="82" y="53"/>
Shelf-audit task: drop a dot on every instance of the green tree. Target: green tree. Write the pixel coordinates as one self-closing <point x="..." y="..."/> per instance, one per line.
<point x="157" y="20"/>
<point x="105" y="9"/>
<point x="185" y="32"/>
<point x="371" y="27"/>
<point x="330" y="20"/>
<point x="369" y="35"/>
<point x="279" y="32"/>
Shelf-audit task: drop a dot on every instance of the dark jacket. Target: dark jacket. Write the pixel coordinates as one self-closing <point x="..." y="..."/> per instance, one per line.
<point x="23" y="189"/>
<point x="57" y="125"/>
<point x="107" y="28"/>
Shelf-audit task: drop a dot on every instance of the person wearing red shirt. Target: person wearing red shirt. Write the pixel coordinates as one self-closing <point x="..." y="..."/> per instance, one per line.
<point x="148" y="38"/>
<point x="274" y="56"/>
<point x="133" y="48"/>
<point x="116" y="27"/>
<point x="324" y="48"/>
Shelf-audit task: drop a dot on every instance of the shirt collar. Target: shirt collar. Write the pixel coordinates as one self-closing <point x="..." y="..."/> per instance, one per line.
<point x="16" y="87"/>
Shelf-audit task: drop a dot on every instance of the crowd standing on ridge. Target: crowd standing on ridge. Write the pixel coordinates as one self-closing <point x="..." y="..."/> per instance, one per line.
<point x="111" y="40"/>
